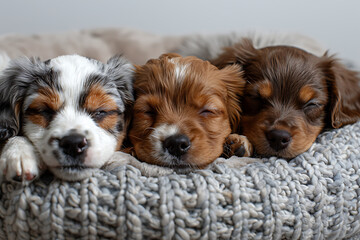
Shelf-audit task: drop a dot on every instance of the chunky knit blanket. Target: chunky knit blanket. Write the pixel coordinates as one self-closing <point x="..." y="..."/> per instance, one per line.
<point x="314" y="196"/>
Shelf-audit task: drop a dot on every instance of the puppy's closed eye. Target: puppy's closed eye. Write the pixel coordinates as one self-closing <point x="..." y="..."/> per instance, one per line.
<point x="44" y="111"/>
<point x="41" y="116"/>
<point x="146" y="109"/>
<point x="43" y="108"/>
<point x="313" y="105"/>
<point x="208" y="111"/>
<point x="150" y="112"/>
<point x="313" y="109"/>
<point x="100" y="114"/>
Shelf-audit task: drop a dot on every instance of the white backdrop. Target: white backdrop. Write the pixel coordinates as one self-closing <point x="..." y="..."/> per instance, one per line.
<point x="334" y="23"/>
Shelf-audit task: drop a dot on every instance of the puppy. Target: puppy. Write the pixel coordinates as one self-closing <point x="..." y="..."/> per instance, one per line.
<point x="291" y="96"/>
<point x="68" y="114"/>
<point x="183" y="112"/>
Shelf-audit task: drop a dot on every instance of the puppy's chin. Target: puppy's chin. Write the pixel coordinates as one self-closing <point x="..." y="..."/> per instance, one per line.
<point x="72" y="173"/>
<point x="281" y="154"/>
<point x="287" y="153"/>
<point x="182" y="165"/>
<point x="183" y="168"/>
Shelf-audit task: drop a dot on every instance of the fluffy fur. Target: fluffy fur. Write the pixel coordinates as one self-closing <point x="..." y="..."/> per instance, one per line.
<point x="209" y="47"/>
<point x="67" y="114"/>
<point x="183" y="112"/>
<point x="291" y="96"/>
<point x="4" y="61"/>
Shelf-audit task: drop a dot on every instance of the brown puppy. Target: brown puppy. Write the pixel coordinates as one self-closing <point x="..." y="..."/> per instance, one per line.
<point x="291" y="96"/>
<point x="184" y="110"/>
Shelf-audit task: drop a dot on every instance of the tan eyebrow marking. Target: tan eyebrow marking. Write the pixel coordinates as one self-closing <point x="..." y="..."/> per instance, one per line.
<point x="47" y="99"/>
<point x="265" y="89"/>
<point x="307" y="93"/>
<point x="98" y="98"/>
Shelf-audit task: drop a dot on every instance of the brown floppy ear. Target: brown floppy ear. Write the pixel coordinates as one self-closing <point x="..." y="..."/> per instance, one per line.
<point x="138" y="68"/>
<point x="231" y="62"/>
<point x="15" y="81"/>
<point x="240" y="53"/>
<point x="232" y="77"/>
<point x="344" y="93"/>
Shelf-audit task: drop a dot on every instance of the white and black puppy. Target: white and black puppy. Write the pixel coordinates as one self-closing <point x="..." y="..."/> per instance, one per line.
<point x="67" y="114"/>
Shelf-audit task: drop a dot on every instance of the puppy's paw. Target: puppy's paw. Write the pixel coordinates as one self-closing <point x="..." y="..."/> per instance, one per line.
<point x="237" y="145"/>
<point x="129" y="150"/>
<point x="117" y="160"/>
<point x="18" y="160"/>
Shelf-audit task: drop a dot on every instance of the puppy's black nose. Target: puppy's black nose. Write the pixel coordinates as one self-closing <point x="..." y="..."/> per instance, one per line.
<point x="177" y="145"/>
<point x="74" y="144"/>
<point x="278" y="139"/>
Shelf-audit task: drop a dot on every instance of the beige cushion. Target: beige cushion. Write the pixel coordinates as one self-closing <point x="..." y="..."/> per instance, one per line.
<point x="101" y="44"/>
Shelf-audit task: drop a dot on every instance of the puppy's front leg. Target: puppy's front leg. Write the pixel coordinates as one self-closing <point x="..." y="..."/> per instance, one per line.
<point x="19" y="160"/>
<point x="237" y="145"/>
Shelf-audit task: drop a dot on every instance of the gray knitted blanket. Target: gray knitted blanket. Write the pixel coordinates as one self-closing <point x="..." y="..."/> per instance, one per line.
<point x="314" y="196"/>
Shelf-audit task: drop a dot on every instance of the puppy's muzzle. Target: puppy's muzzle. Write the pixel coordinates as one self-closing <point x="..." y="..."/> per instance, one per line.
<point x="177" y="145"/>
<point x="278" y="139"/>
<point x="74" y="145"/>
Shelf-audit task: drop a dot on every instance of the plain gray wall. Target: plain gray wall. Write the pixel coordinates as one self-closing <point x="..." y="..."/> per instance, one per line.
<point x="333" y="23"/>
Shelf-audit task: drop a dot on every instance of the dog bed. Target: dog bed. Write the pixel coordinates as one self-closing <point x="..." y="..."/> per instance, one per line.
<point x="314" y="196"/>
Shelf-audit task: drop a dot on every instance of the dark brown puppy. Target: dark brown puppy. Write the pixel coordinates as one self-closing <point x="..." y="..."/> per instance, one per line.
<point x="291" y="96"/>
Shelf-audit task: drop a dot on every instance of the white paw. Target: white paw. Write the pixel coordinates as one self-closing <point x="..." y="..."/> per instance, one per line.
<point x="18" y="160"/>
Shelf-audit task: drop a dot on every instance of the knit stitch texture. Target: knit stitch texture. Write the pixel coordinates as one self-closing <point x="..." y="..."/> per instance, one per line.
<point x="314" y="196"/>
